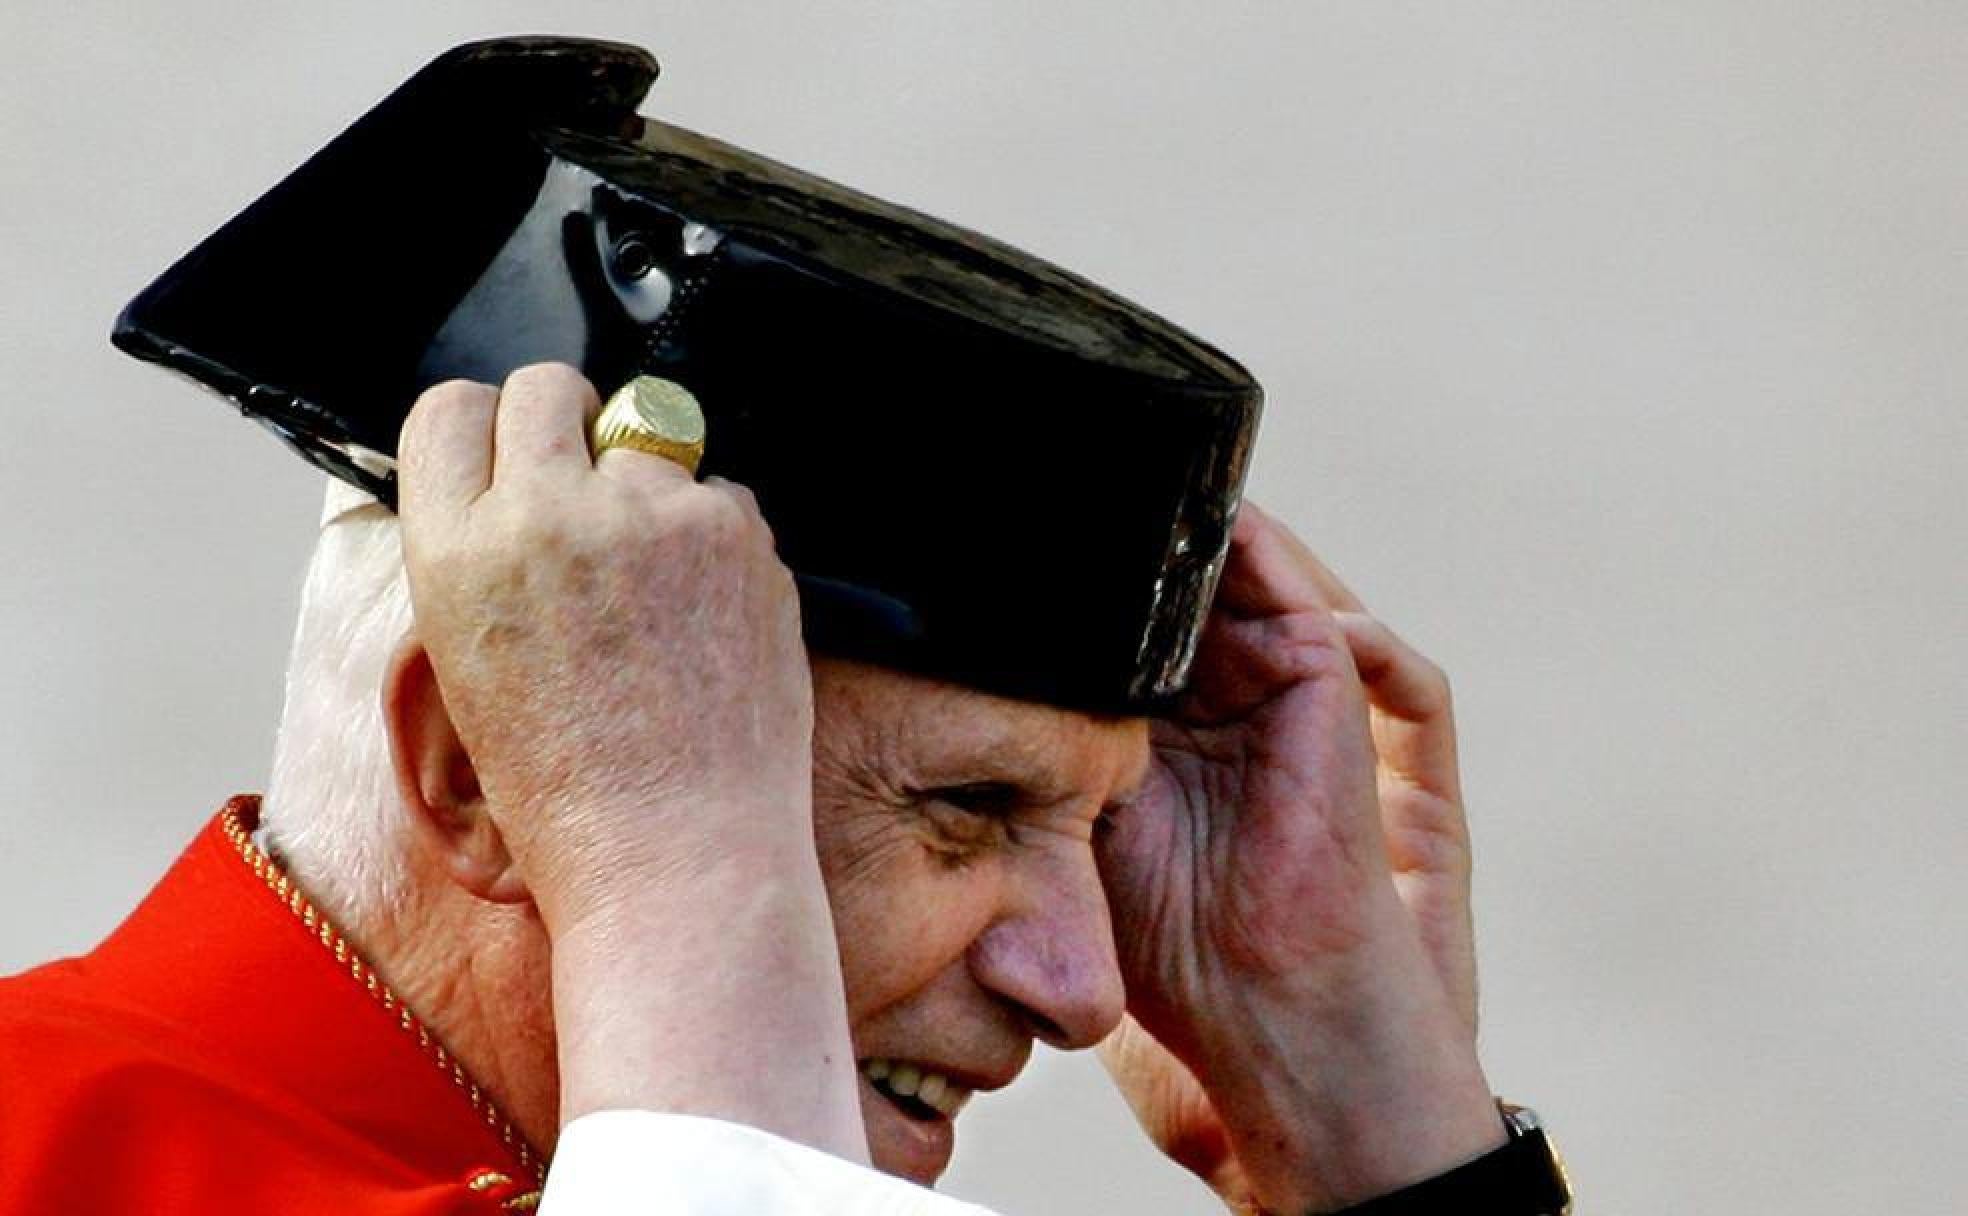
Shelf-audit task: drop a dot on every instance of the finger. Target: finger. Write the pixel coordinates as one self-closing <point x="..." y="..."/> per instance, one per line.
<point x="739" y="492"/>
<point x="1337" y="593"/>
<point x="646" y="469"/>
<point x="1241" y="664"/>
<point x="1423" y="820"/>
<point x="1270" y="572"/>
<point x="541" y="431"/>
<point x="1414" y="714"/>
<point x="444" y="453"/>
<point x="1261" y="577"/>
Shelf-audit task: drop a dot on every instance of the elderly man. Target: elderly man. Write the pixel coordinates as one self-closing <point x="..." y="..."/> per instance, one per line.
<point x="564" y="805"/>
<point x="622" y="749"/>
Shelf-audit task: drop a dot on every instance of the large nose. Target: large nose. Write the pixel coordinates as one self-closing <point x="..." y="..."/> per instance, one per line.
<point x="1050" y="953"/>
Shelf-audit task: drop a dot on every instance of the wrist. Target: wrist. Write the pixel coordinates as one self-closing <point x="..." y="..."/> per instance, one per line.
<point x="621" y="861"/>
<point x="1523" y="1177"/>
<point x="1348" y="1084"/>
<point x="1313" y="1150"/>
<point x="715" y="993"/>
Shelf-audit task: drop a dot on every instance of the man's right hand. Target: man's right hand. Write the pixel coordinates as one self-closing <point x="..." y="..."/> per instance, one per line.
<point x="618" y="648"/>
<point x="618" y="644"/>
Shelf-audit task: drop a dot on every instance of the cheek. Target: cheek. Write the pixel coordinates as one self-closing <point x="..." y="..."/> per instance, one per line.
<point x="902" y="915"/>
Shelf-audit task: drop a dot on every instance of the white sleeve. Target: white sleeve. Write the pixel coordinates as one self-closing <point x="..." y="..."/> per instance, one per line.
<point x="648" y="1163"/>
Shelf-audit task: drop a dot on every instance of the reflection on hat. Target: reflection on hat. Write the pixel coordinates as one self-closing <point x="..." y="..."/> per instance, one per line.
<point x="978" y="465"/>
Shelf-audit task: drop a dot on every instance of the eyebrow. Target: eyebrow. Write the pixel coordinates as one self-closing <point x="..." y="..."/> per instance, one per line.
<point x="1004" y="748"/>
<point x="1019" y="774"/>
<point x="986" y="775"/>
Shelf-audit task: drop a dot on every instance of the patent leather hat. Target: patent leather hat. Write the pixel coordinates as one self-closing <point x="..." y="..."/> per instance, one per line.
<point x="979" y="466"/>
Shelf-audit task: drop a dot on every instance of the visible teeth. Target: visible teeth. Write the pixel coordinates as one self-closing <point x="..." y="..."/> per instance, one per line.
<point x="932" y="1089"/>
<point x="949" y="1098"/>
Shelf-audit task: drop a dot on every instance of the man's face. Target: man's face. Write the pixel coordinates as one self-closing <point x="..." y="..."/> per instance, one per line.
<point x="955" y="832"/>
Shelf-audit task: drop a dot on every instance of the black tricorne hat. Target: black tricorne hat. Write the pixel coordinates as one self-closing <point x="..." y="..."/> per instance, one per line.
<point x="978" y="465"/>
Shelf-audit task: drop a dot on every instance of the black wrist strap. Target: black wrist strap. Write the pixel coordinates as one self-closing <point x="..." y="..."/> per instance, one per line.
<point x="1518" y="1179"/>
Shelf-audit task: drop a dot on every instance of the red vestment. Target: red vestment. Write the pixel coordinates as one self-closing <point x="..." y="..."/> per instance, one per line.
<point x="225" y="1051"/>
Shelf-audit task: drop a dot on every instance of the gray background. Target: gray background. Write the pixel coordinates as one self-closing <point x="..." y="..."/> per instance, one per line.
<point x="1613" y="351"/>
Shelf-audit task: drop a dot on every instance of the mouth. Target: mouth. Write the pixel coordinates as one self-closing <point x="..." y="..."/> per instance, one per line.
<point x="920" y="1093"/>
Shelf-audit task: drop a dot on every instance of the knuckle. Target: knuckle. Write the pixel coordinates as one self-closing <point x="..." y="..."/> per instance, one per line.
<point x="739" y="491"/>
<point x="1310" y="637"/>
<point x="736" y="518"/>
<point x="439" y="400"/>
<point x="1433" y="684"/>
<point x="703" y="509"/>
<point x="1440" y="680"/>
<point x="694" y="525"/>
<point x="549" y="376"/>
<point x="450" y="393"/>
<point x="782" y="585"/>
<point x="1304" y="655"/>
<point x="726" y="529"/>
<point x="540" y="385"/>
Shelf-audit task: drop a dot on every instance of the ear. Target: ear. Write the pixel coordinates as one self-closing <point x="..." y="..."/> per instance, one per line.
<point x="439" y="786"/>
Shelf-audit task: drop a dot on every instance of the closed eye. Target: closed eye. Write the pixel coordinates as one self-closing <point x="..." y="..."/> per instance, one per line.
<point x="997" y="799"/>
<point x="971" y="817"/>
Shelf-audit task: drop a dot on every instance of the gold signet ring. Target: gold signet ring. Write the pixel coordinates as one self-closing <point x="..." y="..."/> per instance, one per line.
<point x="654" y="415"/>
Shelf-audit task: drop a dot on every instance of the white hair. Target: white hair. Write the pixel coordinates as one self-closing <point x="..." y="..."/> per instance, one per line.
<point x="331" y="808"/>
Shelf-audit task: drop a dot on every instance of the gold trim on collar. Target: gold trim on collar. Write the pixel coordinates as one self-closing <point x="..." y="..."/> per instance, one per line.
<point x="289" y="893"/>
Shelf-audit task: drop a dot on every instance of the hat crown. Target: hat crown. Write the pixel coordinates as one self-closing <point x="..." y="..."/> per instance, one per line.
<point x="978" y="465"/>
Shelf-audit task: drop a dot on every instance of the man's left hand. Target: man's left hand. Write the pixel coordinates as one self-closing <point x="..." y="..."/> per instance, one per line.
<point x="1291" y="903"/>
